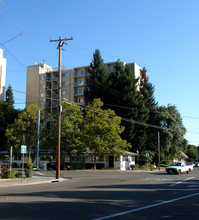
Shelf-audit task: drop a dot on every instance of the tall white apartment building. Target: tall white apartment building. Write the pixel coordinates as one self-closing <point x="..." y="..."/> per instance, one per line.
<point x="3" y="62"/>
<point x="42" y="84"/>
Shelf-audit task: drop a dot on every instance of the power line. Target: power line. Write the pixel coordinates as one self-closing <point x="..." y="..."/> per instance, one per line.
<point x="13" y="55"/>
<point x="15" y="22"/>
<point x="122" y="118"/>
<point x="87" y="107"/>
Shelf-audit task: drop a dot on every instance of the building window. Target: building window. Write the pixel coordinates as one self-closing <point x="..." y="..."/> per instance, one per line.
<point x="101" y="158"/>
<point x="64" y="83"/>
<point x="110" y="69"/>
<point x="125" y="158"/>
<point x="79" y="73"/>
<point x="64" y="74"/>
<point x="64" y="92"/>
<point x="42" y="77"/>
<point x="79" y="100"/>
<point x="79" y="91"/>
<point x="79" y="82"/>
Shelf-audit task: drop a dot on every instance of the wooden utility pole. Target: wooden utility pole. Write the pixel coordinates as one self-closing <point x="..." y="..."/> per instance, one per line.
<point x="60" y="45"/>
<point x="159" y="150"/>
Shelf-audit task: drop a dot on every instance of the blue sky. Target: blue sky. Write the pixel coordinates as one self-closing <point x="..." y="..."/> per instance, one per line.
<point x="160" y="35"/>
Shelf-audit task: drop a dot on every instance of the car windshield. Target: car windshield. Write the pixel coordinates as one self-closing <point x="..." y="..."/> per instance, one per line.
<point x="176" y="164"/>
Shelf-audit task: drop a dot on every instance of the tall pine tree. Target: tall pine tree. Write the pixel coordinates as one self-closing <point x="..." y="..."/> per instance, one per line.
<point x="97" y="78"/>
<point x="9" y="99"/>
<point x="7" y="116"/>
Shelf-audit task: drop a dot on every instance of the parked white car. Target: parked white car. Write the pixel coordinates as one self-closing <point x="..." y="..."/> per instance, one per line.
<point x="178" y="168"/>
<point x="190" y="165"/>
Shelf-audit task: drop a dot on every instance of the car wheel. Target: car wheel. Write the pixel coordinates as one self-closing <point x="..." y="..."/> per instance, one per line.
<point x="188" y="171"/>
<point x="179" y="172"/>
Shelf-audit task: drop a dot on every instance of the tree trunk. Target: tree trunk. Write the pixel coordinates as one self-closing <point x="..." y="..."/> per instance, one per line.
<point x="95" y="159"/>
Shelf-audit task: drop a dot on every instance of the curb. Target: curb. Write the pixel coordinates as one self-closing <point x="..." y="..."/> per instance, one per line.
<point x="25" y="182"/>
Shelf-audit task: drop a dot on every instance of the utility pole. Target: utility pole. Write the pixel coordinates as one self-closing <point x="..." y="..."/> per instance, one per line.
<point x="159" y="150"/>
<point x="60" y="45"/>
<point x="38" y="131"/>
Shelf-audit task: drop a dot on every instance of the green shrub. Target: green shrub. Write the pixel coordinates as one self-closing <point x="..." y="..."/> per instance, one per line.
<point x="132" y="167"/>
<point x="4" y="172"/>
<point x="28" y="169"/>
<point x="8" y="174"/>
<point x="12" y="174"/>
<point x="18" y="175"/>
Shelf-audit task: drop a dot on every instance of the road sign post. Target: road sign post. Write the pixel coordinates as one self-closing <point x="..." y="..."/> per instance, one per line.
<point x="23" y="151"/>
<point x="147" y="156"/>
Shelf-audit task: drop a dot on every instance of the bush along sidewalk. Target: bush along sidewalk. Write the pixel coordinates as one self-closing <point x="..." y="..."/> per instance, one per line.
<point x="28" y="169"/>
<point x="6" y="173"/>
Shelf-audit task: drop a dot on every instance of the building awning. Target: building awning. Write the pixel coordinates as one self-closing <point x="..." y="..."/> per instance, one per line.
<point x="184" y="156"/>
<point x="130" y="153"/>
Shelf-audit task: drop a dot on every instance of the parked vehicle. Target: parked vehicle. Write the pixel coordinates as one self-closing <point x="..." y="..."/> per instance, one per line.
<point x="4" y="164"/>
<point x="178" y="168"/>
<point x="193" y="163"/>
<point x="190" y="165"/>
<point x="196" y="164"/>
<point x="52" y="166"/>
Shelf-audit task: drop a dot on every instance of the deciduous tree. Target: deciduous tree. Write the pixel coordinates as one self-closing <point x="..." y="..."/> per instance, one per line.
<point x="102" y="130"/>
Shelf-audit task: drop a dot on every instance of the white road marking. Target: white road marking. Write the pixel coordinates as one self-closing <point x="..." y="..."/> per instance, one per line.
<point x="145" y="207"/>
<point x="157" y="179"/>
<point x="182" y="181"/>
<point x="40" y="173"/>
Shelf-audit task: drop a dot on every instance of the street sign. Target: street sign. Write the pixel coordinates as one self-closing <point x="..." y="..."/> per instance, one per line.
<point x="23" y="149"/>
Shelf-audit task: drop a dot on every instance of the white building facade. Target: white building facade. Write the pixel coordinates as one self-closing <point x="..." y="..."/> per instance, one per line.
<point x="3" y="62"/>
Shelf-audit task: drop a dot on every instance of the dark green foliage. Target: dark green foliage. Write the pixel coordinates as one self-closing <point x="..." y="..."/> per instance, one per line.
<point x="18" y="175"/>
<point x="7" y="116"/>
<point x="9" y="99"/>
<point x="192" y="153"/>
<point x="119" y="91"/>
<point x="6" y="173"/>
<point x="97" y="78"/>
<point x="101" y="133"/>
<point x="172" y="133"/>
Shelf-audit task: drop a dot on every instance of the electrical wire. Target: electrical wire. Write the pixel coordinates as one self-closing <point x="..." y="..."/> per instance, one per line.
<point x="122" y="118"/>
<point x="15" y="22"/>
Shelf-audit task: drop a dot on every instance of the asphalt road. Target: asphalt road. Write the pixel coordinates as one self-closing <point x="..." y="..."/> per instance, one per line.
<point x="105" y="195"/>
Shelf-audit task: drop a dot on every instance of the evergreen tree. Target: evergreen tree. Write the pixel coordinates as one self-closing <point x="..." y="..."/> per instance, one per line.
<point x="97" y="78"/>
<point x="9" y="99"/>
<point x="147" y="93"/>
<point x="7" y="116"/>
<point x="128" y="103"/>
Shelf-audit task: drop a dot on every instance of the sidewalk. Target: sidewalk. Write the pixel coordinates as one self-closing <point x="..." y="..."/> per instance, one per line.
<point x="27" y="181"/>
